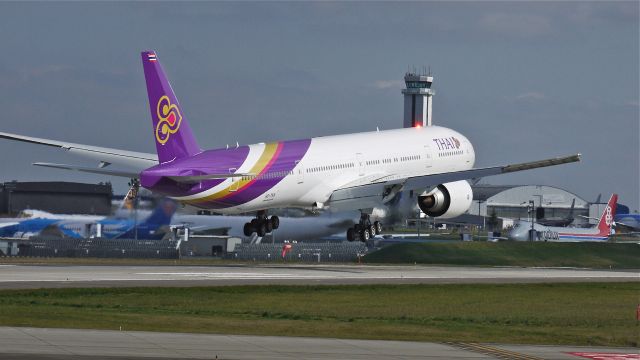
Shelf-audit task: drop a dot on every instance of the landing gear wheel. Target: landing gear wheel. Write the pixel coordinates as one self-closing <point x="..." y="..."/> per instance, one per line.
<point x="372" y="230"/>
<point x="275" y="222"/>
<point x="365" y="235"/>
<point x="248" y="229"/>
<point x="378" y="227"/>
<point x="261" y="229"/>
<point x="351" y="234"/>
<point x="268" y="226"/>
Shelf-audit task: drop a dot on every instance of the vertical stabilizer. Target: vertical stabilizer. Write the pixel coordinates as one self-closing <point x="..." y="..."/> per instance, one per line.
<point x="162" y="214"/>
<point x="606" y="219"/>
<point x="173" y="136"/>
<point x="573" y="207"/>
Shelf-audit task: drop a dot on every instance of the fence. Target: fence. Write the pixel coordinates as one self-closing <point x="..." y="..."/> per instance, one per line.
<point x="98" y="247"/>
<point x="305" y="252"/>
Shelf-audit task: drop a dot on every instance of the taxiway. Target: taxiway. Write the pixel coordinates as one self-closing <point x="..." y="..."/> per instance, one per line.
<point x="57" y="344"/>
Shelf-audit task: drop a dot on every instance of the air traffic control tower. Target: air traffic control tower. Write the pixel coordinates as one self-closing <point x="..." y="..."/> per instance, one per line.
<point x="418" y="102"/>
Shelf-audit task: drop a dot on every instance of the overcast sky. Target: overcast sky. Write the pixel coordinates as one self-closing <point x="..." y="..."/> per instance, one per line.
<point x="523" y="81"/>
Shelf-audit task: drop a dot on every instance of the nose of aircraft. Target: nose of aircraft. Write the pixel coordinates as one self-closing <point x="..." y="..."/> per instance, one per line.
<point x="519" y="233"/>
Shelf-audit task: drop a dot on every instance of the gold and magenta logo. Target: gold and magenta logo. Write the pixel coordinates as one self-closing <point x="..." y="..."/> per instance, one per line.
<point x="169" y="119"/>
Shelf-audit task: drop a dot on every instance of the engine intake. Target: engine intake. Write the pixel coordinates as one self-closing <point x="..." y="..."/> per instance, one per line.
<point x="447" y="200"/>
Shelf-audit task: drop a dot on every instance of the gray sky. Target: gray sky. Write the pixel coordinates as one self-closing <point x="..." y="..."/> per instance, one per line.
<point x="523" y="81"/>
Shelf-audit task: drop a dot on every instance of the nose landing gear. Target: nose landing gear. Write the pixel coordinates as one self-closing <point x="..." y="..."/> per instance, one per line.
<point x="261" y="225"/>
<point x="365" y="229"/>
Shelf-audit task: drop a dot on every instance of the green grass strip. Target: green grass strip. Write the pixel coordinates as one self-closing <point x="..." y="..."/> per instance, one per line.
<point x="588" y="255"/>
<point x="572" y="314"/>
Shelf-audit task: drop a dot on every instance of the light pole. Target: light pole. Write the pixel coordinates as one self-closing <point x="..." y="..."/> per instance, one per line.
<point x="531" y="209"/>
<point x="540" y="204"/>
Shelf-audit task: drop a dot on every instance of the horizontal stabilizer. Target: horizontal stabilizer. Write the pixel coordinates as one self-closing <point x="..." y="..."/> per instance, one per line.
<point x="127" y="174"/>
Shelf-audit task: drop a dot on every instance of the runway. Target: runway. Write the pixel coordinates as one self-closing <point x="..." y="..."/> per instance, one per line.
<point x="38" y="276"/>
<point x="71" y="344"/>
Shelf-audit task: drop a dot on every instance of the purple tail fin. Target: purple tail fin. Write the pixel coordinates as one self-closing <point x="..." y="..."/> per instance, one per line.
<point x="173" y="136"/>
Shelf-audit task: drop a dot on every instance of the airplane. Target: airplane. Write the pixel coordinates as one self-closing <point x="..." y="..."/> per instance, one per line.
<point x="601" y="232"/>
<point x="79" y="226"/>
<point x="559" y="221"/>
<point x="629" y="223"/>
<point x="340" y="172"/>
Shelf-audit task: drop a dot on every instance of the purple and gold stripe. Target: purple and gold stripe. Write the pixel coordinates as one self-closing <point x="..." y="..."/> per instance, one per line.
<point x="278" y="158"/>
<point x="276" y="161"/>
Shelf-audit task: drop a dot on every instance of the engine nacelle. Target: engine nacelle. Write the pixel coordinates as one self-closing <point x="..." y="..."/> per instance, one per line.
<point x="447" y="200"/>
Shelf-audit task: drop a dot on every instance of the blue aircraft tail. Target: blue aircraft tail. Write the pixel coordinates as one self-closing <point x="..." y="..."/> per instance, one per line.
<point x="151" y="228"/>
<point x="162" y="214"/>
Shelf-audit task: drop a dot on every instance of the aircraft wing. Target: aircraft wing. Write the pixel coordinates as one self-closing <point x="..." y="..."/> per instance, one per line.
<point x="372" y="194"/>
<point x="106" y="156"/>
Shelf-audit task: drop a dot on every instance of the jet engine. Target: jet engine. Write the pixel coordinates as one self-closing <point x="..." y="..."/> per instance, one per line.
<point x="447" y="200"/>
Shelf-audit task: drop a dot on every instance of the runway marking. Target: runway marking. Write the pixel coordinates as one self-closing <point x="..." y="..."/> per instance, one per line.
<point x="492" y="351"/>
<point x="370" y="276"/>
<point x="244" y="275"/>
<point x="606" y="356"/>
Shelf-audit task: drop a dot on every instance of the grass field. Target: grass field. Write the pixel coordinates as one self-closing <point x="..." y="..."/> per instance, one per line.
<point x="578" y="314"/>
<point x="588" y="255"/>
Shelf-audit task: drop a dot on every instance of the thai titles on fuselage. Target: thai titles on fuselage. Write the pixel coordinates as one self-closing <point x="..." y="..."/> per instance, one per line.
<point x="447" y="143"/>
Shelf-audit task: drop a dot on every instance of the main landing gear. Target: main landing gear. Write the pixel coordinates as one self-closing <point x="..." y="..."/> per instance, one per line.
<point x="262" y="224"/>
<point x="364" y="230"/>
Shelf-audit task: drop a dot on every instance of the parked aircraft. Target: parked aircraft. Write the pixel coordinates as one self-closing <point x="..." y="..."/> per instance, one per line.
<point x="522" y="229"/>
<point x="559" y="221"/>
<point x="151" y="225"/>
<point x="79" y="226"/>
<point x="343" y="172"/>
<point x="628" y="222"/>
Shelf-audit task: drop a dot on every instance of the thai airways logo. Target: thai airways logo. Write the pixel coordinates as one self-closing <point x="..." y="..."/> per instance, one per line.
<point x="169" y="119"/>
<point x="447" y="143"/>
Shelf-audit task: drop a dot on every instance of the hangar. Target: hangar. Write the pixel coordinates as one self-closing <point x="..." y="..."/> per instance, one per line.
<point x="56" y="197"/>
<point x="514" y="202"/>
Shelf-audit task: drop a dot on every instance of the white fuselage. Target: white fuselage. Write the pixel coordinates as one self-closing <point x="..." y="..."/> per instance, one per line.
<point x="334" y="162"/>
